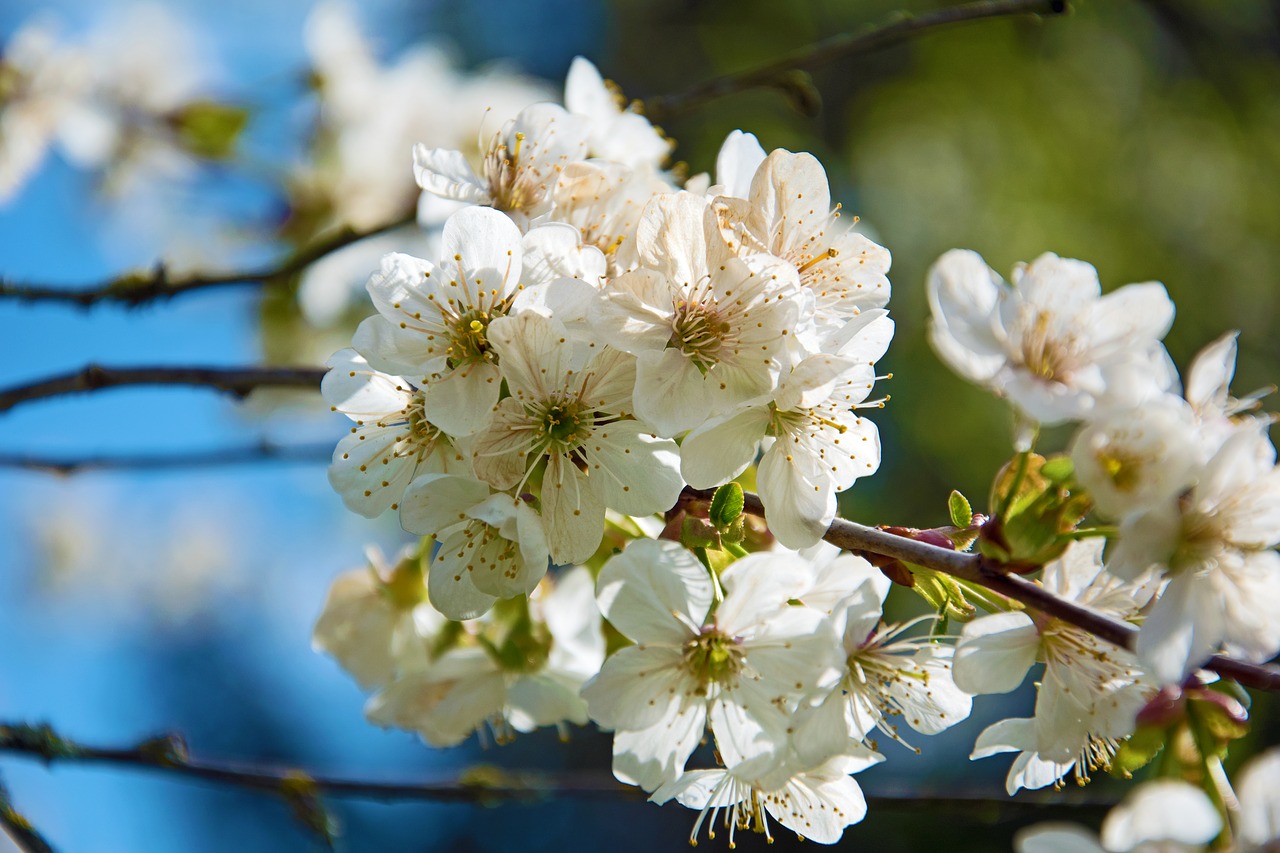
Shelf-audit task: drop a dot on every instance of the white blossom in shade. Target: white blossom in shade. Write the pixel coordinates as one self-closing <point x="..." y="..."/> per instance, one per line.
<point x="512" y="688"/>
<point x="788" y="215"/>
<point x="605" y="201"/>
<point x="1051" y="343"/>
<point x="393" y="440"/>
<point x="375" y="619"/>
<point x="1215" y="543"/>
<point x="491" y="544"/>
<point x="739" y="669"/>
<point x="885" y="679"/>
<point x="1258" y="790"/>
<point x="816" y="443"/>
<point x="816" y="804"/>
<point x="1163" y="816"/>
<point x="1132" y="459"/>
<point x="616" y="133"/>
<point x="519" y="169"/>
<point x="709" y="332"/>
<point x="1090" y="691"/>
<point x="433" y="319"/>
<point x="570" y="406"/>
<point x="1208" y="391"/>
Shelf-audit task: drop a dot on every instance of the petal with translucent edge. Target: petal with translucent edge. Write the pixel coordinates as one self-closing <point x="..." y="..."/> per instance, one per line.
<point x="995" y="652"/>
<point x="1056" y="838"/>
<point x="481" y="238"/>
<point x="818" y="807"/>
<point x="653" y="756"/>
<point x="1071" y="574"/>
<point x="798" y="496"/>
<point x="1161" y="810"/>
<point x="757" y="586"/>
<point x="448" y="174"/>
<point x="635" y="311"/>
<point x="1012" y="735"/>
<point x="465" y="707"/>
<point x="1183" y="628"/>
<point x="794" y="652"/>
<point x="1032" y="772"/>
<point x="671" y="394"/>
<point x="531" y="349"/>
<point x="635" y="472"/>
<point x="736" y="164"/>
<point x="823" y="730"/>
<point x="963" y="295"/>
<point x="367" y="486"/>
<point x="723" y="447"/>
<point x="655" y="591"/>
<point x="450" y="584"/>
<point x="608" y="381"/>
<point x="747" y="724"/>
<point x="701" y="789"/>
<point x="678" y="235"/>
<point x="360" y="392"/>
<point x="461" y="402"/>
<point x="501" y="452"/>
<point x="554" y="251"/>
<point x="393" y="349"/>
<point x="790" y="197"/>
<point x="536" y="700"/>
<point x="634" y="688"/>
<point x="572" y="512"/>
<point x="840" y="577"/>
<point x="1209" y="377"/>
<point x="934" y="703"/>
<point x="811" y="381"/>
<point x="436" y="501"/>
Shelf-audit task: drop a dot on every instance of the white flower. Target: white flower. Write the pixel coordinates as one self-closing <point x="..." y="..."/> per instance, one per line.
<point x="514" y="686"/>
<point x="736" y="165"/>
<point x="1090" y="691"/>
<point x="433" y="319"/>
<point x="816" y="804"/>
<point x="1215" y="542"/>
<point x="1050" y="343"/>
<point x="392" y="442"/>
<point x="788" y="215"/>
<point x="709" y="332"/>
<point x="738" y="668"/>
<point x="817" y="444"/>
<point x="574" y="413"/>
<point x="1258" y="790"/>
<point x="616" y="133"/>
<point x="883" y="676"/>
<point x="520" y="167"/>
<point x="605" y="201"/>
<point x="491" y="545"/>
<point x="374" y="619"/>
<point x="1163" y="816"/>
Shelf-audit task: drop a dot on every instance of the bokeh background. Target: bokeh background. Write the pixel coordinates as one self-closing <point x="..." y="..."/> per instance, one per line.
<point x="1143" y="137"/>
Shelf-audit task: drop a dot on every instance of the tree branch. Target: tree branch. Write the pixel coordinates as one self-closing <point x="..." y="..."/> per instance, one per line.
<point x="263" y="451"/>
<point x="137" y="288"/>
<point x="481" y="785"/>
<point x="233" y="380"/>
<point x="851" y="536"/>
<point x="780" y="74"/>
<point x="20" y="831"/>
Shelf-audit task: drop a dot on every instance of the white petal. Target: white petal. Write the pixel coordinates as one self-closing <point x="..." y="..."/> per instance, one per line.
<point x="653" y="590"/>
<point x="995" y="652"/>
<point x="1162" y="810"/>
<point x="461" y="402"/>
<point x="636" y="473"/>
<point x="654" y="756"/>
<point x="633" y="689"/>
<point x="798" y="496"/>
<point x="1258" y="789"/>
<point x="435" y="501"/>
<point x="572" y="512"/>
<point x="480" y="238"/>
<point x="1056" y="838"/>
<point x="447" y="174"/>
<point x="723" y="447"/>
<point x="1183" y="629"/>
<point x="736" y="164"/>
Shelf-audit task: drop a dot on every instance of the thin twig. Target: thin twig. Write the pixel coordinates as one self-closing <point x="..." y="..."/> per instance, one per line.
<point x="233" y="380"/>
<point x="20" y="831"/>
<point x="140" y="287"/>
<point x="900" y="27"/>
<point x="263" y="451"/>
<point x="485" y="785"/>
<point x="975" y="568"/>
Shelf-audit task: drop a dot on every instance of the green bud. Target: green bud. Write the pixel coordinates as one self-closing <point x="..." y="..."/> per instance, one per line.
<point x="726" y="505"/>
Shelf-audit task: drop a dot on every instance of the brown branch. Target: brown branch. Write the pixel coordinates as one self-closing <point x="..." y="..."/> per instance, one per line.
<point x="481" y="785"/>
<point x="24" y="836"/>
<point x="263" y="451"/>
<point x="239" y="381"/>
<point x="136" y="288"/>
<point x="780" y="73"/>
<point x="851" y="536"/>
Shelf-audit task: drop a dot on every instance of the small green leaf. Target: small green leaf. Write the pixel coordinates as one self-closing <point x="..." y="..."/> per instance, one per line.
<point x="303" y="796"/>
<point x="961" y="512"/>
<point x="726" y="505"/>
<point x="1137" y="752"/>
<point x="209" y="129"/>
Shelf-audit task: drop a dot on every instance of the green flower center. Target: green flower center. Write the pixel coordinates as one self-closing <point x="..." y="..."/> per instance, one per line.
<point x="713" y="658"/>
<point x="698" y="331"/>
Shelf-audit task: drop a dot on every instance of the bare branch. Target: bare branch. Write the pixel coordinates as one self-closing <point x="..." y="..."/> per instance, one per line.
<point x="485" y="785"/>
<point x="24" y="836"/>
<point x="780" y="74"/>
<point x="263" y="451"/>
<point x="233" y="380"/>
<point x="136" y="288"/>
<point x="978" y="569"/>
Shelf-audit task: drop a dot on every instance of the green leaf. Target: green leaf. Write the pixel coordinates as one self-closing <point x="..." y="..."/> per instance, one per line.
<point x="961" y="512"/>
<point x="1136" y="752"/>
<point x="726" y="505"/>
<point x="303" y="796"/>
<point x="209" y="129"/>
